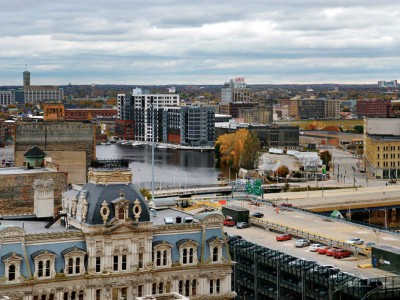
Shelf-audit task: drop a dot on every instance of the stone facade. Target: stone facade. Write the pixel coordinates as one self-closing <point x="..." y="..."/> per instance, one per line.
<point x="72" y="146"/>
<point x="109" y="247"/>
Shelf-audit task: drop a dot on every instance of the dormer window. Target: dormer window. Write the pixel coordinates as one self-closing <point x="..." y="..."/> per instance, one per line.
<point x="162" y="254"/>
<point x="187" y="251"/>
<point x="215" y="247"/>
<point x="74" y="261"/>
<point x="44" y="263"/>
<point x="121" y="214"/>
<point x="12" y="264"/>
<point x="121" y="207"/>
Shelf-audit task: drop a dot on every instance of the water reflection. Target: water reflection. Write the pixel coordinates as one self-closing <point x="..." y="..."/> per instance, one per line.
<point x="171" y="167"/>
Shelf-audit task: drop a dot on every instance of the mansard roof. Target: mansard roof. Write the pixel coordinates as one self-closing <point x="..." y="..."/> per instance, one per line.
<point x="96" y="194"/>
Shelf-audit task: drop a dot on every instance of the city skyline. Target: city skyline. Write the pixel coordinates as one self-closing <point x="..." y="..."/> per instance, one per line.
<point x="176" y="42"/>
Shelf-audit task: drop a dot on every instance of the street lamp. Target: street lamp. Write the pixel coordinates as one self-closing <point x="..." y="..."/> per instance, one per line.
<point x="354" y="177"/>
<point x="152" y="148"/>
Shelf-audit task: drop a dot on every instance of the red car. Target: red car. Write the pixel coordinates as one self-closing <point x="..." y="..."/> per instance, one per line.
<point x="229" y="222"/>
<point x="340" y="253"/>
<point x="283" y="237"/>
<point x="330" y="251"/>
<point x="322" y="249"/>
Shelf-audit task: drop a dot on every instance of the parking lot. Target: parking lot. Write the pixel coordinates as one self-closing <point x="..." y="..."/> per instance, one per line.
<point x="268" y="239"/>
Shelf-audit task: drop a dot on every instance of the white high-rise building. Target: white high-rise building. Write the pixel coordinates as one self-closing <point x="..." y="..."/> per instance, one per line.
<point x="147" y="113"/>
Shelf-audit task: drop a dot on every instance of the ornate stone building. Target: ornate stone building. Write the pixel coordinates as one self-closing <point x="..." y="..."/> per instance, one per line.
<point x="112" y="245"/>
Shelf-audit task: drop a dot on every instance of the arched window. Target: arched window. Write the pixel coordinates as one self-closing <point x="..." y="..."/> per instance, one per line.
<point x="141" y="264"/>
<point x="218" y="286"/>
<point x="184" y="256"/>
<point x="11" y="273"/>
<point x="158" y="258"/>
<point x="73" y="295"/>
<point x="124" y="262"/>
<point x="121" y="214"/>
<point x="43" y="297"/>
<point x="51" y="297"/>
<point x="65" y="296"/>
<point x="77" y="265"/>
<point x="154" y="288"/>
<point x="165" y="257"/>
<point x="35" y="297"/>
<point x="181" y="287"/>
<point x="40" y="269"/>
<point x="191" y="255"/>
<point x="161" y="288"/>
<point x="194" y="283"/>
<point x="47" y="268"/>
<point x="80" y="295"/>
<point x="215" y="254"/>
<point x="187" y="287"/>
<point x="211" y="286"/>
<point x="70" y="266"/>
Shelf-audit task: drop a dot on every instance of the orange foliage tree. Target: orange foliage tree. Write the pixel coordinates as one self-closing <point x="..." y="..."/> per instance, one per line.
<point x="239" y="149"/>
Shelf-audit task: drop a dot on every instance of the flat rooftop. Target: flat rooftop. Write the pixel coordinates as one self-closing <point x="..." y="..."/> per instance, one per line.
<point x="32" y="227"/>
<point x="164" y="213"/>
<point x="22" y="170"/>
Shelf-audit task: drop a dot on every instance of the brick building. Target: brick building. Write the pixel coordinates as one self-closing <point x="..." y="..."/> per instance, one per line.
<point x="88" y="114"/>
<point x="16" y="188"/>
<point x="374" y="108"/>
<point x="70" y="145"/>
<point x="233" y="108"/>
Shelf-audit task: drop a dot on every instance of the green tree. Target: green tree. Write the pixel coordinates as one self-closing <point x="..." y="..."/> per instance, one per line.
<point x="146" y="193"/>
<point x="326" y="157"/>
<point x="283" y="171"/>
<point x="359" y="128"/>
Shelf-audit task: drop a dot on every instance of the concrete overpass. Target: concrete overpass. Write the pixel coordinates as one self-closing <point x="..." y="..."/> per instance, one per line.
<point x="370" y="200"/>
<point x="209" y="189"/>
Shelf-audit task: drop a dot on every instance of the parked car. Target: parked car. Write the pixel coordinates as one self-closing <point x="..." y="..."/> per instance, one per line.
<point x="340" y="253"/>
<point x="369" y="245"/>
<point x="322" y="249"/>
<point x="241" y="225"/>
<point x="229" y="222"/>
<point x="283" y="237"/>
<point x="314" y="247"/>
<point x="258" y="215"/>
<point x="330" y="251"/>
<point x="301" y="243"/>
<point x="355" y="241"/>
<point x="286" y="204"/>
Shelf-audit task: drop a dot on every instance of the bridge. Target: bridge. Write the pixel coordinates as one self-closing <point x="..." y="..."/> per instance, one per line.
<point x="377" y="204"/>
<point x="209" y="189"/>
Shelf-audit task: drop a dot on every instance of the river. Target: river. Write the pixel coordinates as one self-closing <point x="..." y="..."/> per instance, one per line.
<point x="172" y="167"/>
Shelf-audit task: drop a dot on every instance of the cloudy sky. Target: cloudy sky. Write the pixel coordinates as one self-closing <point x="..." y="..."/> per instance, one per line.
<point x="199" y="42"/>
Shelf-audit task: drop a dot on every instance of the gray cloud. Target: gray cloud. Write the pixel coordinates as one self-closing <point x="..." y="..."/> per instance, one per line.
<point x="176" y="41"/>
